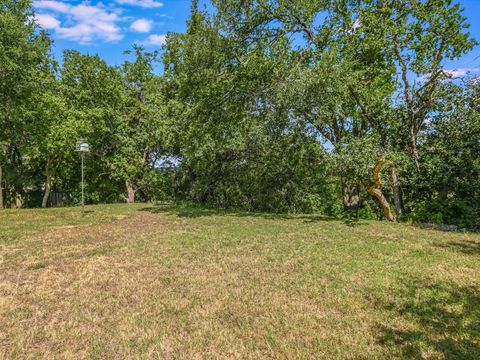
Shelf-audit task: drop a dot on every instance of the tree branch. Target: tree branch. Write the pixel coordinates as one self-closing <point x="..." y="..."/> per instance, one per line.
<point x="404" y="67"/>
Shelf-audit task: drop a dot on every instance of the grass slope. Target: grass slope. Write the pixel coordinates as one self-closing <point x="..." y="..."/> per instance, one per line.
<point x="183" y="283"/>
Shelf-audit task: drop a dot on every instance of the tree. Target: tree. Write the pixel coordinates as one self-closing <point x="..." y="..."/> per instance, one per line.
<point x="446" y="188"/>
<point x="326" y="77"/>
<point x="56" y="135"/>
<point x="416" y="36"/>
<point x="93" y="92"/>
<point x="373" y="44"/>
<point x="24" y="64"/>
<point x="234" y="140"/>
<point x="139" y="131"/>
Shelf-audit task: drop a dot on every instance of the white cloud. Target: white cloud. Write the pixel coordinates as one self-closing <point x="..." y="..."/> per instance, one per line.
<point x="142" y="25"/>
<point x="148" y="4"/>
<point x="453" y="73"/>
<point x="85" y="23"/>
<point x="155" y="40"/>
<point x="460" y="72"/>
<point x="52" y="5"/>
<point x="47" y="21"/>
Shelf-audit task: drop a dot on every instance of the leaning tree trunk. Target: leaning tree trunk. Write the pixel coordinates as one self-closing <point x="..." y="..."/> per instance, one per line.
<point x="397" y="192"/>
<point x="374" y="189"/>
<point x="48" y="185"/>
<point x="130" y="192"/>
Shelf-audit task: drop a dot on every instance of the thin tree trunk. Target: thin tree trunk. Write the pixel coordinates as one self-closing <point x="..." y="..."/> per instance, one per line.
<point x="48" y="183"/>
<point x="416" y="157"/>
<point x="18" y="200"/>
<point x="11" y="196"/>
<point x="1" y="188"/>
<point x="374" y="189"/>
<point x="130" y="192"/>
<point x="397" y="192"/>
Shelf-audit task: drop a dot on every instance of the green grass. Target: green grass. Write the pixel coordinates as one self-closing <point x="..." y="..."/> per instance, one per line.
<point x="185" y="283"/>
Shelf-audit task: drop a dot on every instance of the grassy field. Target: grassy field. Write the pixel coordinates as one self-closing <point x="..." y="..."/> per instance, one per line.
<point x="183" y="283"/>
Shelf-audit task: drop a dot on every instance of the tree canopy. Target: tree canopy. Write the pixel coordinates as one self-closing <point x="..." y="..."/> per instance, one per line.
<point x="344" y="107"/>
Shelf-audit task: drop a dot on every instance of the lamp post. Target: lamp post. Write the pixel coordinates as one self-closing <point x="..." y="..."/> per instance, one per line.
<point x="82" y="148"/>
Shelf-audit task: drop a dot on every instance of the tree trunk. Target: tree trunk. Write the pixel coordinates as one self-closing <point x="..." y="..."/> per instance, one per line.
<point x="416" y="157"/>
<point x="130" y="192"/>
<point x="397" y="192"/>
<point x="377" y="193"/>
<point x="18" y="200"/>
<point x="10" y="192"/>
<point x="48" y="184"/>
<point x="374" y="189"/>
<point x="1" y="188"/>
<point x="351" y="196"/>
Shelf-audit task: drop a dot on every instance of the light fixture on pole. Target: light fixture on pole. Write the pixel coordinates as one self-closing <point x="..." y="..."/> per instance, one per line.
<point x="82" y="148"/>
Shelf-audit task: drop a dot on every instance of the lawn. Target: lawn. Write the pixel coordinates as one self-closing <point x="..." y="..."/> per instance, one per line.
<point x="170" y="282"/>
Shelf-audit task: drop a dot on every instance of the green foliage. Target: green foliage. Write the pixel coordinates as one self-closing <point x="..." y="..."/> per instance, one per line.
<point x="448" y="211"/>
<point x="25" y="67"/>
<point x="447" y="187"/>
<point x="157" y="185"/>
<point x="312" y="203"/>
<point x="279" y="106"/>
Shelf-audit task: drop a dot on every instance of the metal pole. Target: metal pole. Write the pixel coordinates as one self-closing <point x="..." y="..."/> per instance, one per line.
<point x="83" y="199"/>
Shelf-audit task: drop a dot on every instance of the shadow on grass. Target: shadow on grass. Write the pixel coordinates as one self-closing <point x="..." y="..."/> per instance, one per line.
<point x="446" y="228"/>
<point x="445" y="318"/>
<point x="196" y="212"/>
<point x="465" y="246"/>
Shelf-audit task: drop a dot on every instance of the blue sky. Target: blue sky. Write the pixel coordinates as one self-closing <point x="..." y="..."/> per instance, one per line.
<point x="110" y="27"/>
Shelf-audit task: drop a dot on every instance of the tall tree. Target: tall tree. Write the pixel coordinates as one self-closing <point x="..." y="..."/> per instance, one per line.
<point x="373" y="44"/>
<point x="57" y="133"/>
<point x="139" y="131"/>
<point x="233" y="139"/>
<point x="446" y="188"/>
<point x="93" y="91"/>
<point x="24" y="63"/>
<point x="416" y="37"/>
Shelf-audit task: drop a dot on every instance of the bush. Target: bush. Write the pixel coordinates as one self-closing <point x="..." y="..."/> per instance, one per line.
<point x="449" y="212"/>
<point x="312" y="203"/>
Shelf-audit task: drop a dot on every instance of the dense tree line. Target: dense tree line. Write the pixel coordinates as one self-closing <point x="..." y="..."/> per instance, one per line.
<point x="45" y="108"/>
<point x="339" y="107"/>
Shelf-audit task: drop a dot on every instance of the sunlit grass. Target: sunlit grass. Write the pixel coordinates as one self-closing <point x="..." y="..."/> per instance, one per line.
<point x="179" y="282"/>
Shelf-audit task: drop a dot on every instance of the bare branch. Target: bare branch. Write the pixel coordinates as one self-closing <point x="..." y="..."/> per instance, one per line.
<point x="404" y="67"/>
